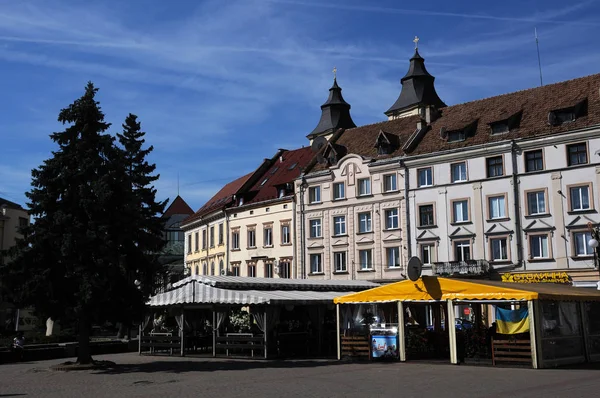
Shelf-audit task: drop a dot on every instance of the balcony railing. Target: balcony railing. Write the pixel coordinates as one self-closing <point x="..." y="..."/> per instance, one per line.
<point x="470" y="267"/>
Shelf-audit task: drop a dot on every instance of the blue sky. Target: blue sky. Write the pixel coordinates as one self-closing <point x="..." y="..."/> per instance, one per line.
<point x="220" y="85"/>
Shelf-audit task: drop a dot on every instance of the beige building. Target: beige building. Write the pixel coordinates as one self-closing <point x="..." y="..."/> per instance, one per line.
<point x="12" y="218"/>
<point x="261" y="222"/>
<point x="501" y="185"/>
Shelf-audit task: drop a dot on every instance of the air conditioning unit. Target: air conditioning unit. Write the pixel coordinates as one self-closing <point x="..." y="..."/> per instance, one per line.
<point x="223" y="272"/>
<point x="276" y="269"/>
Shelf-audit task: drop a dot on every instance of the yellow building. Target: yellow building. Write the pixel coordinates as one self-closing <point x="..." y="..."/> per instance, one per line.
<point x="206" y="237"/>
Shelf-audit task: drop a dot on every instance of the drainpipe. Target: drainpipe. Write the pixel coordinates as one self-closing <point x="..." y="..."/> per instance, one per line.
<point x="303" y="186"/>
<point x="294" y="243"/>
<point x="516" y="201"/>
<point x="226" y="237"/>
<point x="407" y="209"/>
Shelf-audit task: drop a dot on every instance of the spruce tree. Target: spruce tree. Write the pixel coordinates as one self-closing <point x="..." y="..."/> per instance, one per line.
<point x="91" y="202"/>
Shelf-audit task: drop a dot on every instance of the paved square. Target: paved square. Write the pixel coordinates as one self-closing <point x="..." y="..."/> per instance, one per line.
<point x="148" y="376"/>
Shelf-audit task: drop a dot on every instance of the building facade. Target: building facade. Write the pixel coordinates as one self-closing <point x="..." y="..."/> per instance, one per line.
<point x="13" y="217"/>
<point x="504" y="185"/>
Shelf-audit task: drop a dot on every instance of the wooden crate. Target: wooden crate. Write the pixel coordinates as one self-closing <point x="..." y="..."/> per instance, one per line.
<point x="512" y="351"/>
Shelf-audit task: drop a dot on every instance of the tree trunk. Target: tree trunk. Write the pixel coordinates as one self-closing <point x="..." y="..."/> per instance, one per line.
<point x="84" y="354"/>
<point x="123" y="328"/>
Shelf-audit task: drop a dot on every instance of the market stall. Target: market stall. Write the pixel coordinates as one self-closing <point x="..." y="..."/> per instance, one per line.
<point x="536" y="324"/>
<point x="258" y="317"/>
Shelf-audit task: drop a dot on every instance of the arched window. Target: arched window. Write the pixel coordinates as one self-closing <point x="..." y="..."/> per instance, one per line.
<point x="221" y="267"/>
<point x="212" y="268"/>
<point x="197" y="270"/>
<point x="204" y="269"/>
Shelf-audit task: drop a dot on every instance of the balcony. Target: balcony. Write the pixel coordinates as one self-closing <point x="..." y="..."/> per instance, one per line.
<point x="461" y="268"/>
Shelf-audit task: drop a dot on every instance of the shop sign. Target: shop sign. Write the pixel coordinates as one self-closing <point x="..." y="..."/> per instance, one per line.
<point x="538" y="277"/>
<point x="467" y="311"/>
<point x="384" y="347"/>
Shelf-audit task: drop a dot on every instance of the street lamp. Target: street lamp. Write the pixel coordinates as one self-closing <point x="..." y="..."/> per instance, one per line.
<point x="594" y="242"/>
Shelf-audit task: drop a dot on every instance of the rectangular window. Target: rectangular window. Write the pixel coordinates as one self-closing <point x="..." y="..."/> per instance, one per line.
<point x="339" y="191"/>
<point x="458" y="172"/>
<point x="189" y="244"/>
<point x="494" y="166"/>
<point x="339" y="262"/>
<point x="364" y="222"/>
<point x="364" y="186"/>
<point x="460" y="211"/>
<point x="393" y="257"/>
<point x="499" y="249"/>
<point x="252" y="271"/>
<point x="538" y="246"/>
<point x="577" y="154"/>
<point x="580" y="243"/>
<point x="536" y="203"/>
<point x="365" y="258"/>
<point x="426" y="218"/>
<point x="427" y="253"/>
<point x="251" y="238"/>
<point x="389" y="183"/>
<point x="580" y="198"/>
<point x="462" y="250"/>
<point x="203" y="239"/>
<point x="425" y="177"/>
<point x="534" y="160"/>
<point x="497" y="207"/>
<point x="235" y="240"/>
<point x="285" y="234"/>
<point x="316" y="266"/>
<point x="235" y="269"/>
<point x="339" y="225"/>
<point x="212" y="236"/>
<point x="314" y="195"/>
<point x="268" y="236"/>
<point x="315" y="228"/>
<point x="196" y="238"/>
<point x="391" y="219"/>
<point x="284" y="270"/>
<point x="268" y="270"/>
<point x="456" y="136"/>
<point x="220" y="234"/>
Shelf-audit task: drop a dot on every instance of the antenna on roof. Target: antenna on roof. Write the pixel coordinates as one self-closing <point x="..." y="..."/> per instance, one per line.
<point x="537" y="44"/>
<point x="177" y="183"/>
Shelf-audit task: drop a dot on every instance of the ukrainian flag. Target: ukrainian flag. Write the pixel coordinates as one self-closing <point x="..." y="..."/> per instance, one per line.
<point x="512" y="321"/>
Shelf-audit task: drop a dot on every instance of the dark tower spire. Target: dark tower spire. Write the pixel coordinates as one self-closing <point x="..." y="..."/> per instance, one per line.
<point x="335" y="112"/>
<point x="417" y="87"/>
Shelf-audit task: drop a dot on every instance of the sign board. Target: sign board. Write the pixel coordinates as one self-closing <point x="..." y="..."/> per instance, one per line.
<point x="538" y="277"/>
<point x="467" y="311"/>
<point x="384" y="346"/>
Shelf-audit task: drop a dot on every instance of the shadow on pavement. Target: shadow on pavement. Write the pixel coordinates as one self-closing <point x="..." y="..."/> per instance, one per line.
<point x="212" y="366"/>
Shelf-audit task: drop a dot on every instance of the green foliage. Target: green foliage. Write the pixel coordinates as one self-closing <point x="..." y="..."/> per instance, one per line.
<point x="96" y="224"/>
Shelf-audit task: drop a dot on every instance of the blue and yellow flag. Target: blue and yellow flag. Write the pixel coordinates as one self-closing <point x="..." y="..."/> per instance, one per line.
<point x="512" y="321"/>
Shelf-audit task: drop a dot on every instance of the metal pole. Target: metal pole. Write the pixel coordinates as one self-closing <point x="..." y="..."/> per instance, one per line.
<point x="302" y="230"/>
<point x="266" y="331"/>
<point x="214" y="323"/>
<point x="337" y="317"/>
<point x="182" y="333"/>
<point x="401" y="332"/>
<point x="452" y="333"/>
<point x="140" y="338"/>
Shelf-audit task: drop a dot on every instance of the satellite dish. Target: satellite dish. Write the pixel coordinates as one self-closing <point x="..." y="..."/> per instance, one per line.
<point x="318" y="143"/>
<point x="414" y="268"/>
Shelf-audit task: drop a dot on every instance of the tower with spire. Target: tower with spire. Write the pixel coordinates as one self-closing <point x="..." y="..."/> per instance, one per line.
<point x="335" y="113"/>
<point x="418" y="95"/>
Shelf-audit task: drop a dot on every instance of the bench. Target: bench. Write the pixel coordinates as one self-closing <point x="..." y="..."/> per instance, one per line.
<point x="160" y="342"/>
<point x="512" y="351"/>
<point x="240" y="342"/>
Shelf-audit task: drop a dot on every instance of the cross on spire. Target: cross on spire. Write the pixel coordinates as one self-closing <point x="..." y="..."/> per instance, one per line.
<point x="334" y="72"/>
<point x="416" y="41"/>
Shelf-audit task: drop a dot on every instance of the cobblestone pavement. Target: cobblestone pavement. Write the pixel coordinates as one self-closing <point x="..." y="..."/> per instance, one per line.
<point x="224" y="378"/>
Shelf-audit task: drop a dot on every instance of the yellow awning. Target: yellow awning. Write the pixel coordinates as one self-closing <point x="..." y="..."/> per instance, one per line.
<point x="430" y="288"/>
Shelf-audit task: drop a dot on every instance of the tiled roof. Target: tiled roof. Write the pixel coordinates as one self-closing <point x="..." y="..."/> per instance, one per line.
<point x="285" y="169"/>
<point x="361" y="140"/>
<point x="534" y="103"/>
<point x="533" y="106"/>
<point x="220" y="200"/>
<point x="178" y="206"/>
<point x="9" y="204"/>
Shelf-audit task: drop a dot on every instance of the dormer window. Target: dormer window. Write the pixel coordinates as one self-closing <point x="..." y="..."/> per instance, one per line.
<point x="567" y="115"/>
<point x="456" y="136"/>
<point x="241" y="201"/>
<point x="281" y="192"/>
<point x="384" y="149"/>
<point x="499" y="128"/>
<point x="386" y="143"/>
